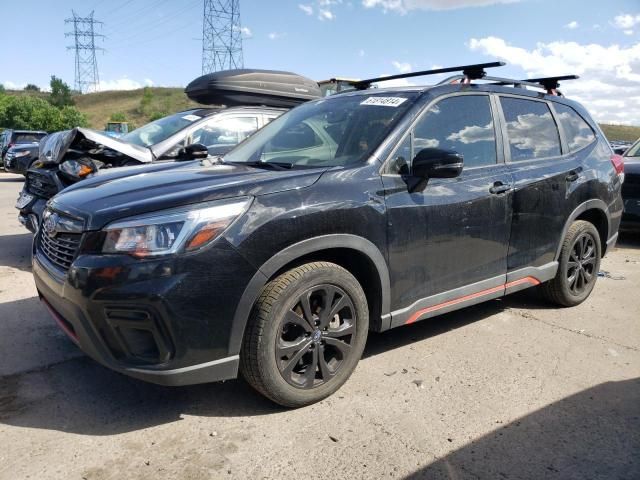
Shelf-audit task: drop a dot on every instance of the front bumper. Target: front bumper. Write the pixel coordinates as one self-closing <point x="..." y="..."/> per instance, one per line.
<point x="165" y="321"/>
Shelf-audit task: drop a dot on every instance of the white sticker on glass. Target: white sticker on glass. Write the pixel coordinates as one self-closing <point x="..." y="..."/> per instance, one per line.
<point x="191" y="118"/>
<point x="384" y="101"/>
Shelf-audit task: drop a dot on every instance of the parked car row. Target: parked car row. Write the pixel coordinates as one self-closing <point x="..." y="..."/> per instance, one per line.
<point x="362" y="211"/>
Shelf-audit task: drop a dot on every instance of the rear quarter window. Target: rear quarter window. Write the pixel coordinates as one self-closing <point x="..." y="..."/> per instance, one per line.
<point x="531" y="129"/>
<point x="577" y="131"/>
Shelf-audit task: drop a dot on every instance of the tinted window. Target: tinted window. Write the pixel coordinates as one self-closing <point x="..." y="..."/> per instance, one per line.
<point x="531" y="129"/>
<point x="28" y="137"/>
<point x="577" y="131"/>
<point x="463" y="124"/>
<point x="161" y="129"/>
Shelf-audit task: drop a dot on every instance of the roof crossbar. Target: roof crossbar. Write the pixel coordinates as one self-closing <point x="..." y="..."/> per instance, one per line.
<point x="550" y="84"/>
<point x="470" y="72"/>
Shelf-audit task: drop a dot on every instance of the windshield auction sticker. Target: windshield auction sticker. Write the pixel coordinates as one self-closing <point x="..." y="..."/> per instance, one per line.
<point x="384" y="101"/>
<point x="191" y="118"/>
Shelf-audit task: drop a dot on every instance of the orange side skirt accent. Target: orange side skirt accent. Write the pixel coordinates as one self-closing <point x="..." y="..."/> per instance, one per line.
<point x="455" y="301"/>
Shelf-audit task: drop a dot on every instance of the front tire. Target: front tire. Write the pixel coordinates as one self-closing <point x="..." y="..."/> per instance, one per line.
<point x="578" y="266"/>
<point x="306" y="334"/>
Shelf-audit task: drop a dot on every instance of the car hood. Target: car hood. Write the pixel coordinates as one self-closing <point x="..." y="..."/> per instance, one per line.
<point x="104" y="198"/>
<point x="54" y="147"/>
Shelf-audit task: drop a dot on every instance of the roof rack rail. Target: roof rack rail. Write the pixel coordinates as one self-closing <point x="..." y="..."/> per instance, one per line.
<point x="550" y="84"/>
<point x="470" y="72"/>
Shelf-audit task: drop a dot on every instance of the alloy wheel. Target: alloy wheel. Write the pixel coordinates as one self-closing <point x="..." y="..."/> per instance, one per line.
<point x="581" y="265"/>
<point x="315" y="336"/>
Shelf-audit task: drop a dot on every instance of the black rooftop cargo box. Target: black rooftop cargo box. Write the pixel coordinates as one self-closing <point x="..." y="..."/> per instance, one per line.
<point x="252" y="87"/>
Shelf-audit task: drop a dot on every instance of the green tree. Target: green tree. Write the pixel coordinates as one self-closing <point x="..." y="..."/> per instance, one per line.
<point x="2" y="89"/>
<point x="145" y="101"/>
<point x="33" y="113"/>
<point x="31" y="88"/>
<point x="70" y="117"/>
<point x="118" y="117"/>
<point x="60" y="93"/>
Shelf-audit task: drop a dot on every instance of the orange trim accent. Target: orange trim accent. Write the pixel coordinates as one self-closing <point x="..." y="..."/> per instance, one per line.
<point x="455" y="301"/>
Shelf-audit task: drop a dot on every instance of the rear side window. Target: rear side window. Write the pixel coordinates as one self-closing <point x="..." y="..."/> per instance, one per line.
<point x="578" y="132"/>
<point x="463" y="124"/>
<point x="28" y="137"/>
<point x="531" y="129"/>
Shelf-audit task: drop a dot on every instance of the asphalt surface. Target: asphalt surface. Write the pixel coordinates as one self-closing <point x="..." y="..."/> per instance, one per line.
<point x="512" y="388"/>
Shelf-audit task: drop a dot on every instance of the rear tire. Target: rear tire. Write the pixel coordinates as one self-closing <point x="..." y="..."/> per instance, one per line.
<point x="306" y="334"/>
<point x="578" y="266"/>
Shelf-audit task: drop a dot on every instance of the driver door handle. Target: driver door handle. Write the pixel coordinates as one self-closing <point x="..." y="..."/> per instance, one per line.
<point x="499" y="187"/>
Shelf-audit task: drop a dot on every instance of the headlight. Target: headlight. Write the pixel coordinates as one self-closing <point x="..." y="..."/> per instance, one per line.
<point x="22" y="153"/>
<point x="172" y="231"/>
<point x="75" y="168"/>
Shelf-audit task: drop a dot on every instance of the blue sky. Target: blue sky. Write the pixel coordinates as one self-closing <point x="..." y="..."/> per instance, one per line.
<point x="159" y="41"/>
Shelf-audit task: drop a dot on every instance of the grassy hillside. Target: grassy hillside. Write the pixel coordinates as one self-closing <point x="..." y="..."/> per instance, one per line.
<point x="621" y="132"/>
<point x="98" y="107"/>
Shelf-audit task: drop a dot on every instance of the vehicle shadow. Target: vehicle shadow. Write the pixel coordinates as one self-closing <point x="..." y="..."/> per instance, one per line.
<point x="593" y="434"/>
<point x="78" y="395"/>
<point x="11" y="179"/>
<point x="15" y="251"/>
<point x="628" y="239"/>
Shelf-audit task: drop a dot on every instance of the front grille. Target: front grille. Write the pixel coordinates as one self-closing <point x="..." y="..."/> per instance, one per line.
<point x="60" y="249"/>
<point x="41" y="184"/>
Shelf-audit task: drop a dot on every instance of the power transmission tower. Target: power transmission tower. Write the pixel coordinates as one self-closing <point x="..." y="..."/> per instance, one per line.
<point x="87" y="78"/>
<point x="221" y="36"/>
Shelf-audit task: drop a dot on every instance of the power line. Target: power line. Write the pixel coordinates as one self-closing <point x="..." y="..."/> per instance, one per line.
<point x="221" y="36"/>
<point x="86" y="75"/>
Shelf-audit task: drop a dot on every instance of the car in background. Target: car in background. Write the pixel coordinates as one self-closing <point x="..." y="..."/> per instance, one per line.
<point x="20" y="157"/>
<point x="70" y="156"/>
<point x="620" y="146"/>
<point x="631" y="187"/>
<point x="10" y="137"/>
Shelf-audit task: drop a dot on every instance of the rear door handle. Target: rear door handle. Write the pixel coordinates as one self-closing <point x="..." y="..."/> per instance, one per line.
<point x="499" y="187"/>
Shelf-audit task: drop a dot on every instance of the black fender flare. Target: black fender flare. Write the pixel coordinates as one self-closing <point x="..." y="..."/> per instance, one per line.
<point x="593" y="204"/>
<point x="291" y="253"/>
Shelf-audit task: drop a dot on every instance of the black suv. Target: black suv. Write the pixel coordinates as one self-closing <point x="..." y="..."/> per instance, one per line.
<point x="10" y="137"/>
<point x="365" y="210"/>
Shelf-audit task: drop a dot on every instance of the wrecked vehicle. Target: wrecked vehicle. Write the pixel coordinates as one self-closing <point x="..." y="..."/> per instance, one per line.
<point x="253" y="98"/>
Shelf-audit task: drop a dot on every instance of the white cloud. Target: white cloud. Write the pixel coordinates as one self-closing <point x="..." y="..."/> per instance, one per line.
<point x="572" y="25"/>
<point x="610" y="73"/>
<point x="626" y="21"/>
<point x="404" y="6"/>
<point x="324" y="14"/>
<point x="308" y="9"/>
<point x="124" y="84"/>
<point x="9" y="85"/>
<point x="398" y="82"/>
<point x="402" y="67"/>
<point x="245" y="31"/>
<point x="276" y="35"/>
<point x="361" y="53"/>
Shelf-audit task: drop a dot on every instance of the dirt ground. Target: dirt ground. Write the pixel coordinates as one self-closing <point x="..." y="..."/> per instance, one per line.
<point x="509" y="389"/>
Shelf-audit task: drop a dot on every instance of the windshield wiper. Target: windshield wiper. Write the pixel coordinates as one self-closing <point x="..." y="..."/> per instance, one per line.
<point x="267" y="165"/>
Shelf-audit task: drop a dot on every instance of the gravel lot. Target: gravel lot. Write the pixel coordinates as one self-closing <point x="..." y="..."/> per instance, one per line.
<point x="508" y="389"/>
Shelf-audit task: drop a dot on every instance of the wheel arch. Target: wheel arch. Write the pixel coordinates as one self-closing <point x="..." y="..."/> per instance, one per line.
<point x="356" y="254"/>
<point x="594" y="211"/>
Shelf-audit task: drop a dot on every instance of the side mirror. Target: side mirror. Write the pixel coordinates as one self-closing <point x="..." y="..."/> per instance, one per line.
<point x="195" y="151"/>
<point x="437" y="163"/>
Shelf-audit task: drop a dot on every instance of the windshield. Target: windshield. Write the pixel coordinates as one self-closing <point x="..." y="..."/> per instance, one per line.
<point x="28" y="137"/>
<point x="335" y="131"/>
<point x="634" y="150"/>
<point x="161" y="129"/>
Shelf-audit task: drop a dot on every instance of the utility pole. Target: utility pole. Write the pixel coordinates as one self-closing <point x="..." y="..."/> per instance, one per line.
<point x="87" y="78"/>
<point x="221" y="36"/>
